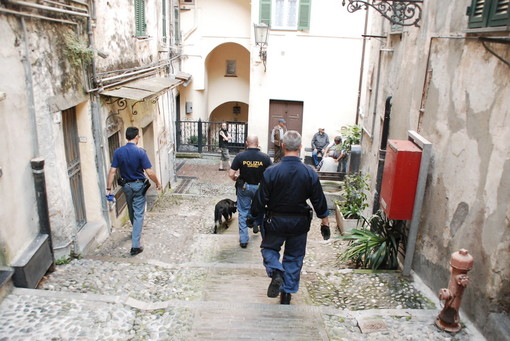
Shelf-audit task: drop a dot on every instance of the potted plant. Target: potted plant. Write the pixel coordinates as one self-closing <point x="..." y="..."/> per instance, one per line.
<point x="351" y="136"/>
<point x="376" y="244"/>
<point x="350" y="209"/>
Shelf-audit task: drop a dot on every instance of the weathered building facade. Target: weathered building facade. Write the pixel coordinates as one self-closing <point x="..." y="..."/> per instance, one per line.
<point x="304" y="74"/>
<point x="448" y="80"/>
<point x="76" y="74"/>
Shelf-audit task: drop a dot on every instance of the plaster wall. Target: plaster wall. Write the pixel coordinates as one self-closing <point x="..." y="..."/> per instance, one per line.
<point x="20" y="222"/>
<point x="223" y="88"/>
<point x="115" y="34"/>
<point x="463" y="92"/>
<point x="47" y="80"/>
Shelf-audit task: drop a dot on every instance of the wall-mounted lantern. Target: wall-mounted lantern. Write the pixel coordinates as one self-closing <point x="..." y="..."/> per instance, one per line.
<point x="261" y="33"/>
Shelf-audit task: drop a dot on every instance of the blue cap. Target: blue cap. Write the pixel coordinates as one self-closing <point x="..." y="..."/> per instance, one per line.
<point x="282" y="120"/>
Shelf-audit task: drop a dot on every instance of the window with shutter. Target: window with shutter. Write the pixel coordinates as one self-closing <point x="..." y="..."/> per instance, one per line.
<point x="163" y="19"/>
<point x="286" y="14"/>
<point x="140" y="18"/>
<point x="177" y="26"/>
<point x="489" y="13"/>
<point x="304" y="14"/>
<point x="500" y="13"/>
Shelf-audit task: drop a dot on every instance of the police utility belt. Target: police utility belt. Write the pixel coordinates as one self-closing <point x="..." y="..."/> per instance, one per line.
<point x="122" y="181"/>
<point x="307" y="213"/>
<point x="241" y="183"/>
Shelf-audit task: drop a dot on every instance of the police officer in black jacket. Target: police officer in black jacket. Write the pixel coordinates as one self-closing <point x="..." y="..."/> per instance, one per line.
<point x="281" y="198"/>
<point x="247" y="169"/>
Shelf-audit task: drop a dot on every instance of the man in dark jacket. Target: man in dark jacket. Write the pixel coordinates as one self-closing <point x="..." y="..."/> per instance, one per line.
<point x="281" y="198"/>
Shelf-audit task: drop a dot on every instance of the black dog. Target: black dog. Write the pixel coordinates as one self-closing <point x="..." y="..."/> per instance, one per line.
<point x="225" y="208"/>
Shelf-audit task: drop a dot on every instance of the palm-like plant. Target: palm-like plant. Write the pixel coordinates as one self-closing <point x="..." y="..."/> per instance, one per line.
<point x="376" y="247"/>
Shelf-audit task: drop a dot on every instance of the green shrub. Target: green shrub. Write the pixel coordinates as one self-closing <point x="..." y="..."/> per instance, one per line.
<point x="355" y="197"/>
<point x="351" y="135"/>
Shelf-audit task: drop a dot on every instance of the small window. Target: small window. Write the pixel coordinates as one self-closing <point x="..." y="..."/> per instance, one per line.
<point x="489" y="13"/>
<point x="187" y="2"/>
<point x="140" y="18"/>
<point x="286" y="14"/>
<point x="163" y="20"/>
<point x="231" y="68"/>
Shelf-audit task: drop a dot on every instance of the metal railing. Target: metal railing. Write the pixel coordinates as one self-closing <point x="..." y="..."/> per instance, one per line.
<point x="200" y="136"/>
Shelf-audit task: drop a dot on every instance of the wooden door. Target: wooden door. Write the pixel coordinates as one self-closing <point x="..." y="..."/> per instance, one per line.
<point x="72" y="149"/>
<point x="290" y="111"/>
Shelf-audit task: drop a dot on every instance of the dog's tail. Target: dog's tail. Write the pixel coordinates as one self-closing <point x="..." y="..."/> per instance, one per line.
<point x="217" y="219"/>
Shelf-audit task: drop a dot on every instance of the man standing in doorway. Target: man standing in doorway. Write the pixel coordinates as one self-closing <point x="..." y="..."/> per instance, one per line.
<point x="251" y="164"/>
<point x="276" y="139"/>
<point x="132" y="161"/>
<point x="282" y="199"/>
<point x="224" y="138"/>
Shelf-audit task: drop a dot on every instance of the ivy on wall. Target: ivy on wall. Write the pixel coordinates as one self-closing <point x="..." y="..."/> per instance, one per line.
<point x="77" y="51"/>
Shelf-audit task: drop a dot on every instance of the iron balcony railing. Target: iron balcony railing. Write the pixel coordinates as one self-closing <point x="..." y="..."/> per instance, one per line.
<point x="201" y="136"/>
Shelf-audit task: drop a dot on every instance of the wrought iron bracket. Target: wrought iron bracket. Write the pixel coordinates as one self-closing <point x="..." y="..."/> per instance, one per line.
<point x="396" y="11"/>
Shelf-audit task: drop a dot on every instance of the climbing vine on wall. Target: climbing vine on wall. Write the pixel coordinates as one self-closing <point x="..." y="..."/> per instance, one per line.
<point x="77" y="51"/>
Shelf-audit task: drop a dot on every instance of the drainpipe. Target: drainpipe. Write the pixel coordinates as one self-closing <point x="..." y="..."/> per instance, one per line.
<point x="382" y="153"/>
<point x="97" y="127"/>
<point x="30" y="89"/>
<point x="42" y="204"/>
<point x="361" y="68"/>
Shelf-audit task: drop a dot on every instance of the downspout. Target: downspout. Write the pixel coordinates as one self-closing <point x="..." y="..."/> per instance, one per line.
<point x="382" y="154"/>
<point x="358" y="105"/>
<point x="30" y="89"/>
<point x="42" y="204"/>
<point x="97" y="128"/>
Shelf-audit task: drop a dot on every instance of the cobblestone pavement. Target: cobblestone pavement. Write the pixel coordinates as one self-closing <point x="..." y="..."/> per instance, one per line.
<point x="191" y="284"/>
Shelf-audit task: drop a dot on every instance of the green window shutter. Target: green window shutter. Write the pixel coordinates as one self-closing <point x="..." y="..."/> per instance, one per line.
<point x="140" y="18"/>
<point x="265" y="12"/>
<point x="177" y="26"/>
<point x="499" y="13"/>
<point x="163" y="19"/>
<point x="305" y="7"/>
<point x="477" y="13"/>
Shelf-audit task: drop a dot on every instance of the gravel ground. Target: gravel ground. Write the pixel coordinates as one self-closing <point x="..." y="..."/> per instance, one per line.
<point x="157" y="295"/>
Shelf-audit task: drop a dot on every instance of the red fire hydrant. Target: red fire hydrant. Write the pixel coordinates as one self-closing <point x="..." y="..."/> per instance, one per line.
<point x="448" y="319"/>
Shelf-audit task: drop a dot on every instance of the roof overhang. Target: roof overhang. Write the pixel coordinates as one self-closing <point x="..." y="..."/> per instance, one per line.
<point x="144" y="88"/>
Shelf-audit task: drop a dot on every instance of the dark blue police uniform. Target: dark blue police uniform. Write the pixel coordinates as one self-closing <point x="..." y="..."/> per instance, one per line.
<point x="281" y="198"/>
<point x="132" y="161"/>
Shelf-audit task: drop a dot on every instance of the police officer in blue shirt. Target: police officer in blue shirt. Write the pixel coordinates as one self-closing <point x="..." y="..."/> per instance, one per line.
<point x="251" y="164"/>
<point x="281" y="198"/>
<point x="132" y="161"/>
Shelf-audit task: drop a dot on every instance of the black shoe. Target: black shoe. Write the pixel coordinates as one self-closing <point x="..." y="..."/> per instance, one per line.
<point x="255" y="229"/>
<point x="243" y="245"/>
<point x="285" y="298"/>
<point x="276" y="282"/>
<point x="136" y="250"/>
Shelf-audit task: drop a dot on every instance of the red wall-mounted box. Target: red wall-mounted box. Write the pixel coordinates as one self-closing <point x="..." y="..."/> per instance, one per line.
<point x="400" y="178"/>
